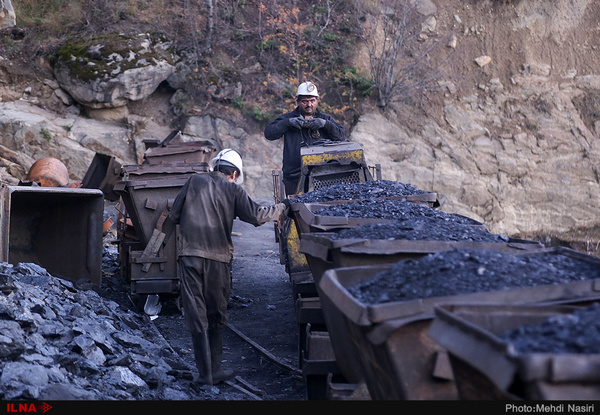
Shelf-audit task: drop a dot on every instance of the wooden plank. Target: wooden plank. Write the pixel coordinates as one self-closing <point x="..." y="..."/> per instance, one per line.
<point x="152" y="248"/>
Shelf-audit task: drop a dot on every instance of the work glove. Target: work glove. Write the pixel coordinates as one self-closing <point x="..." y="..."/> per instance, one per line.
<point x="316" y="123"/>
<point x="297" y="122"/>
<point x="288" y="211"/>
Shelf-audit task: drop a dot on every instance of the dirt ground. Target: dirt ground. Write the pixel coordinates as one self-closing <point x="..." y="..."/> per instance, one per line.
<point x="261" y="340"/>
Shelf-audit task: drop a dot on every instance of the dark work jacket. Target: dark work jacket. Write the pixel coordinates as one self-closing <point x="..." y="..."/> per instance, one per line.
<point x="294" y="139"/>
<point x="205" y="209"/>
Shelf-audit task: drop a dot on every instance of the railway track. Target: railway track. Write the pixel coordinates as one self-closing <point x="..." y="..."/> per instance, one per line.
<point x="260" y="340"/>
<point x="238" y="383"/>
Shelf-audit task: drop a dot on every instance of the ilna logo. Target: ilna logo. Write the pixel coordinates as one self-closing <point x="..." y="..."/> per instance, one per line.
<point x="27" y="407"/>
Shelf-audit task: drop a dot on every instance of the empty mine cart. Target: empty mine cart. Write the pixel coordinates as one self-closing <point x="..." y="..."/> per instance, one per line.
<point x="147" y="193"/>
<point x="57" y="228"/>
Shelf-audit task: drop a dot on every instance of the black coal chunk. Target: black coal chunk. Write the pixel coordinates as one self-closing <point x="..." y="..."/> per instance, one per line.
<point x="419" y="229"/>
<point x="465" y="271"/>
<point x="577" y="332"/>
<point x="362" y="190"/>
<point x="390" y="209"/>
<point x="60" y="342"/>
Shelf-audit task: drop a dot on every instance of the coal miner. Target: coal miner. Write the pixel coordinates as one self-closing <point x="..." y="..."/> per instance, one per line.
<point x="205" y="209"/>
<point x="304" y="126"/>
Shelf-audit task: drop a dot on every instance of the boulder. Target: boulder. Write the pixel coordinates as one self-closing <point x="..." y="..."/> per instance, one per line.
<point x="110" y="70"/>
<point x="8" y="17"/>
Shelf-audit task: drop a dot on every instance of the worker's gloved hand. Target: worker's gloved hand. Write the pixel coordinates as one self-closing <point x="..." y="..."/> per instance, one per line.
<point x="297" y="123"/>
<point x="316" y="123"/>
<point x="287" y="211"/>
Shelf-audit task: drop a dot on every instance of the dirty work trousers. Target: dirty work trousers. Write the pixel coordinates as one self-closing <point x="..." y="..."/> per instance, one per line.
<point x="291" y="185"/>
<point x="205" y="290"/>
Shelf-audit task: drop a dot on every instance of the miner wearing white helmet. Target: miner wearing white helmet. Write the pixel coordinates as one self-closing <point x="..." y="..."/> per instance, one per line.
<point x="229" y="157"/>
<point x="205" y="209"/>
<point x="303" y="126"/>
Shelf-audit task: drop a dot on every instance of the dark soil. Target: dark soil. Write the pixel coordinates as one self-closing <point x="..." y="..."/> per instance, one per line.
<point x="464" y="271"/>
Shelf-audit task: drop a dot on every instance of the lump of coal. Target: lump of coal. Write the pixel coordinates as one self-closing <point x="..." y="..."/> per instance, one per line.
<point x="362" y="190"/>
<point x="57" y="341"/>
<point x="418" y="229"/>
<point x="465" y="271"/>
<point x="389" y="209"/>
<point x="577" y="332"/>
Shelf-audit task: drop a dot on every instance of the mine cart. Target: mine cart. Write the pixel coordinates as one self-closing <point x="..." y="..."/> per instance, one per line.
<point x="186" y="152"/>
<point x="145" y="193"/>
<point x="486" y="366"/>
<point x="103" y="173"/>
<point x="321" y="166"/>
<point x="58" y="228"/>
<point x="324" y="253"/>
<point x="148" y="192"/>
<point x="327" y="164"/>
<point x="397" y="358"/>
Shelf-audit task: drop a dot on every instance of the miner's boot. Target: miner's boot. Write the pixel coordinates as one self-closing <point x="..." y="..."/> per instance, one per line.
<point x="202" y="357"/>
<point x="215" y="336"/>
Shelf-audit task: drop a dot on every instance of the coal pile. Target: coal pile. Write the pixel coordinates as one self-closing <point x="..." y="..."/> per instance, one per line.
<point x="362" y="190"/>
<point x="390" y="209"/>
<point x="465" y="271"/>
<point x="420" y="229"/>
<point x="577" y="332"/>
<point x="58" y="342"/>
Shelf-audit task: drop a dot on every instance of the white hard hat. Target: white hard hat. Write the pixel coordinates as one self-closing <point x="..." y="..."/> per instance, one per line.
<point x="229" y="157"/>
<point x="307" y="88"/>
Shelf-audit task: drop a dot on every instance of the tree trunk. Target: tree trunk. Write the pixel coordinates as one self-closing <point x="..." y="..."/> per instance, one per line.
<point x="209" y="25"/>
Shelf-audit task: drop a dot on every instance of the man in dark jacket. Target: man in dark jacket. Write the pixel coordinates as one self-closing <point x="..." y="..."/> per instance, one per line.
<point x="205" y="210"/>
<point x="303" y="126"/>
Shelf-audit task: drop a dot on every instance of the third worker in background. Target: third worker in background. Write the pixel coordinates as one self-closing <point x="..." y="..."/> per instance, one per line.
<point x="304" y="126"/>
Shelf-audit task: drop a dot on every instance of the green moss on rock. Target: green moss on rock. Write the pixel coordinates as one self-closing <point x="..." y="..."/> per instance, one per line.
<point x="105" y="56"/>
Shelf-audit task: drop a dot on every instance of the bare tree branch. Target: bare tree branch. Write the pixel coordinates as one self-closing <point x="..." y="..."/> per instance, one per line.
<point x="327" y="20"/>
<point x="399" y="55"/>
<point x="192" y="20"/>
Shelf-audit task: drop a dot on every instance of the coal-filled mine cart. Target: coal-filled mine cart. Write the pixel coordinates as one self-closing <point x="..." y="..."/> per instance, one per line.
<point x="325" y="251"/>
<point x="531" y="352"/>
<point x="398" y="360"/>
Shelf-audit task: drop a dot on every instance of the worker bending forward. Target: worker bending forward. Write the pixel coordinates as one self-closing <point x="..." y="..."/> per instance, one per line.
<point x="205" y="210"/>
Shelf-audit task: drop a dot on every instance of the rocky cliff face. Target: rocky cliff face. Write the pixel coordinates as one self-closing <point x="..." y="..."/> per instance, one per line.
<point x="512" y="139"/>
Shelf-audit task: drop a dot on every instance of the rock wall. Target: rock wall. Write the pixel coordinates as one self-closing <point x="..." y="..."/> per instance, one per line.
<point x="539" y="178"/>
<point x="507" y="146"/>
